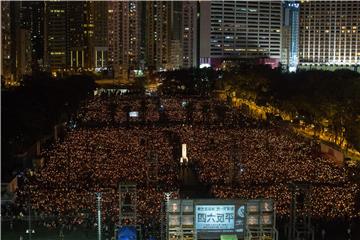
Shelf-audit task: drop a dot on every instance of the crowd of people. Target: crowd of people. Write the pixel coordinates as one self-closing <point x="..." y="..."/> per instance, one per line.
<point x="114" y="110"/>
<point x="235" y="157"/>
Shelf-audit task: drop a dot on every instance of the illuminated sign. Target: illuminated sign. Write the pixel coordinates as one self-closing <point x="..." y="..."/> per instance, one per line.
<point x="218" y="218"/>
<point x="214" y="217"/>
<point x="205" y="65"/>
<point x="293" y="5"/>
<point x="133" y="114"/>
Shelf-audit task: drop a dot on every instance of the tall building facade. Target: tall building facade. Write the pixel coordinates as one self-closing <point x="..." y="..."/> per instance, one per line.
<point x="32" y="19"/>
<point x="329" y="33"/>
<point x="158" y="34"/>
<point x="163" y="35"/>
<point x="124" y="37"/>
<point x="175" y="43"/>
<point x="16" y="47"/>
<point x="239" y="29"/>
<point x="56" y="36"/>
<point x="189" y="34"/>
<point x="290" y="35"/>
<point x="6" y="71"/>
<point x="76" y="36"/>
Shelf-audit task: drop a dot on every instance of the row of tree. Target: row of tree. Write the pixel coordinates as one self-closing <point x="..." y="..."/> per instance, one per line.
<point x="330" y="100"/>
<point x="327" y="99"/>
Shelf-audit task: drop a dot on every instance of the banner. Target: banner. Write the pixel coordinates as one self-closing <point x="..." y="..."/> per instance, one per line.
<point x="214" y="217"/>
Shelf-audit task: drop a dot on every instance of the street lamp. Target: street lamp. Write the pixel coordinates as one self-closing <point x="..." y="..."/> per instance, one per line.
<point x="98" y="201"/>
<point x="29" y="231"/>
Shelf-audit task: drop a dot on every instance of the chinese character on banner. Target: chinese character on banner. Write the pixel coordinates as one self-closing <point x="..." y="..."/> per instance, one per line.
<point x="220" y="218"/>
<point x="229" y="216"/>
<point x="202" y="217"/>
<point x="210" y="217"/>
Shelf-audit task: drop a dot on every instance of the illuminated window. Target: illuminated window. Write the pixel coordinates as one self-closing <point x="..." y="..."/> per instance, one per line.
<point x="57" y="53"/>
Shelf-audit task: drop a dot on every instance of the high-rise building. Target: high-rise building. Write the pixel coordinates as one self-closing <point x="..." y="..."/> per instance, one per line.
<point x="290" y="35"/>
<point x="124" y="37"/>
<point x="37" y="30"/>
<point x="158" y="34"/>
<point x="56" y="36"/>
<point x="76" y="36"/>
<point x="175" y="34"/>
<point x="329" y="34"/>
<point x="6" y="71"/>
<point x="16" y="40"/>
<point x="23" y="53"/>
<point x="163" y="35"/>
<point x="98" y="41"/>
<point x="111" y="32"/>
<point x="189" y="34"/>
<point x="240" y="29"/>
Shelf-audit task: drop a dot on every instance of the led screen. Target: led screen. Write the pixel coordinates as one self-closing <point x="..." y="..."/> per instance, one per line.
<point x="214" y="217"/>
<point x="133" y="114"/>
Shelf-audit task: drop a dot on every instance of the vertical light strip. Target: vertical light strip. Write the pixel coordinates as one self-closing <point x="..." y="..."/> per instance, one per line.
<point x="102" y="58"/>
<point x="95" y="58"/>
<point x="82" y="58"/>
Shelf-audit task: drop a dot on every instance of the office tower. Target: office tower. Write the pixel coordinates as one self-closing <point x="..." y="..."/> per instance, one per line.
<point x="79" y="32"/>
<point x="56" y="36"/>
<point x="150" y="36"/>
<point x="163" y="35"/>
<point x="87" y="35"/>
<point x="329" y="34"/>
<point x="16" y="41"/>
<point x="142" y="34"/>
<point x="111" y="32"/>
<point x="23" y="53"/>
<point x="240" y="30"/>
<point x="76" y="36"/>
<point x="98" y="41"/>
<point x="175" y="35"/>
<point x="290" y="35"/>
<point x="37" y="31"/>
<point x="189" y="34"/>
<point x="6" y="73"/>
<point x="158" y="34"/>
<point x="30" y="17"/>
<point x="125" y="38"/>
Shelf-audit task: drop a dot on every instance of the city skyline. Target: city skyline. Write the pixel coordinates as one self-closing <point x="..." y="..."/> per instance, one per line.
<point x="127" y="37"/>
<point x="180" y="120"/>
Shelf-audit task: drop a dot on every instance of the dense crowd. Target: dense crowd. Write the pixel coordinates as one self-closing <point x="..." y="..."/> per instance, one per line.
<point x="237" y="159"/>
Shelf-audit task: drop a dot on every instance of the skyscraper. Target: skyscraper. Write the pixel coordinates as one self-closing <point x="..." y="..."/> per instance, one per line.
<point x="176" y="27"/>
<point x="239" y="29"/>
<point x="158" y="34"/>
<point x="98" y="40"/>
<point x="290" y="35"/>
<point x="189" y="34"/>
<point x="163" y="35"/>
<point x="6" y="71"/>
<point x="125" y="37"/>
<point x="16" y="40"/>
<point x="329" y="34"/>
<point x="32" y="19"/>
<point x="76" y="38"/>
<point x="56" y="36"/>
